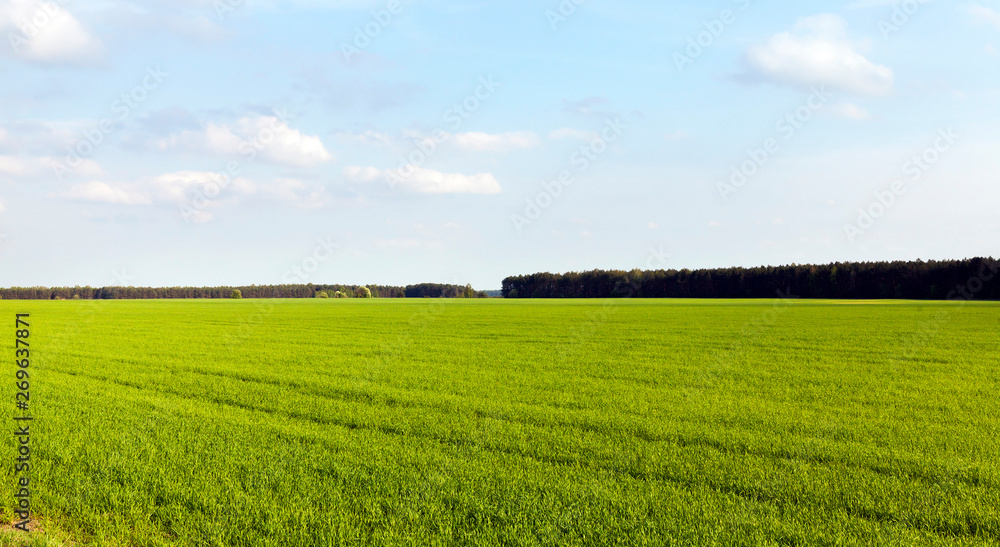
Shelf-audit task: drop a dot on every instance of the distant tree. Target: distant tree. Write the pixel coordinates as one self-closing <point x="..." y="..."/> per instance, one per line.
<point x="322" y="294"/>
<point x="363" y="292"/>
<point x="236" y="295"/>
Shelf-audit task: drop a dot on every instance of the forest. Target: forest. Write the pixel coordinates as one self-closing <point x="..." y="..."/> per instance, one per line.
<point x="425" y="290"/>
<point x="969" y="279"/>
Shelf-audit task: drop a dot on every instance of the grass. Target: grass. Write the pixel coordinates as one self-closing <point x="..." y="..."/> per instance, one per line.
<point x="429" y="422"/>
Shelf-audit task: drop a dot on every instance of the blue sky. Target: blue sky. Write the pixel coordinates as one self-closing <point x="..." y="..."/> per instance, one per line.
<point x="205" y="142"/>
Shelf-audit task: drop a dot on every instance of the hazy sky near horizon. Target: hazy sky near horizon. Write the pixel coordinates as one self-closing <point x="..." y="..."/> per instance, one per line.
<point x="220" y="142"/>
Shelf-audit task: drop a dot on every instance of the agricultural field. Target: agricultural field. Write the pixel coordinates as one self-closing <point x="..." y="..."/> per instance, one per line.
<point x="493" y="422"/>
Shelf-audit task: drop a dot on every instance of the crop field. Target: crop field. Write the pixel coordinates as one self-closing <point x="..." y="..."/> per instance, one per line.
<point x="492" y="422"/>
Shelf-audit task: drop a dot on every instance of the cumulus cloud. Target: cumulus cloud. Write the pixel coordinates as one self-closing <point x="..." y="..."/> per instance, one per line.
<point x="572" y="134"/>
<point x="43" y="32"/>
<point x="16" y="167"/>
<point x="362" y="174"/>
<point x="367" y="137"/>
<point x="183" y="187"/>
<point x="817" y="53"/>
<point x="849" y="111"/>
<point x="296" y="192"/>
<point x="265" y="137"/>
<point x="427" y="181"/>
<point x="985" y="15"/>
<point x="590" y="106"/>
<point x="37" y="167"/>
<point x="476" y="141"/>
<point x="103" y="192"/>
<point x="399" y="244"/>
<point x="38" y="138"/>
<point x="175" y="187"/>
<point x="285" y="189"/>
<point x="497" y="142"/>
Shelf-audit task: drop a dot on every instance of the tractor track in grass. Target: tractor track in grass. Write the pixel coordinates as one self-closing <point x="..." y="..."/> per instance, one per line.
<point x="608" y="430"/>
<point x="971" y="529"/>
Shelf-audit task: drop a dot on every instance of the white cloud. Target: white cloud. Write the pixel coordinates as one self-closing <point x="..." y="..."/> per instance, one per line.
<point x="105" y="193"/>
<point x="288" y="190"/>
<point x="173" y="187"/>
<point x="361" y="174"/>
<point x="472" y="141"/>
<point x="86" y="168"/>
<point x="179" y="187"/>
<point x="16" y="167"/>
<point x="849" y="111"/>
<point x="985" y="15"/>
<point x="573" y="134"/>
<point x="818" y="53"/>
<point x="498" y="142"/>
<point x="285" y="189"/>
<point x="861" y="4"/>
<point x="40" y="138"/>
<point x="403" y="244"/>
<point x="367" y="137"/>
<point x="251" y="137"/>
<point x="215" y="139"/>
<point x="290" y="147"/>
<point x="51" y="34"/>
<point x="36" y="167"/>
<point x="2" y="209"/>
<point x="426" y="181"/>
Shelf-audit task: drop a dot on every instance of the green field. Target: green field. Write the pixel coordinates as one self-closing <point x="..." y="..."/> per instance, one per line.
<point x="432" y="422"/>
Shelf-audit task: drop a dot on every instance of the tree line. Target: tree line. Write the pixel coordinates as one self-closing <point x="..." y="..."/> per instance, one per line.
<point x="970" y="279"/>
<point x="426" y="290"/>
